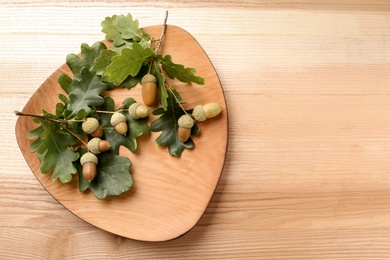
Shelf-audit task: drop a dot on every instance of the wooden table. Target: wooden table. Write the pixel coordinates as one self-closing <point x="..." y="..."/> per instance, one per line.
<point x="307" y="174"/>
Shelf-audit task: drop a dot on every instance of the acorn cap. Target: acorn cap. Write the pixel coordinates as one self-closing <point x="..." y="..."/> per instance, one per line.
<point x="186" y="121"/>
<point x="116" y="118"/>
<point x="132" y="110"/>
<point x="93" y="145"/>
<point x="198" y="113"/>
<point x="88" y="157"/>
<point x="89" y="125"/>
<point x="148" y="78"/>
<point x="137" y="111"/>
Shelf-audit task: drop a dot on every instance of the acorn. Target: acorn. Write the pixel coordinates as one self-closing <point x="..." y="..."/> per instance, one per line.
<point x="89" y="161"/>
<point x="210" y="110"/>
<point x="137" y="111"/>
<point x="185" y="123"/>
<point x="91" y="126"/>
<point x="149" y="90"/>
<point x="118" y="121"/>
<point x="97" y="145"/>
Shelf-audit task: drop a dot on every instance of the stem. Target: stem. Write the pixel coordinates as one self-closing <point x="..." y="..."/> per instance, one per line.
<point x="105" y="112"/>
<point x="75" y="135"/>
<point x="150" y="66"/>
<point x="18" y="113"/>
<point x="120" y="109"/>
<point x="162" y="33"/>
<point x="169" y="88"/>
<point x="59" y="122"/>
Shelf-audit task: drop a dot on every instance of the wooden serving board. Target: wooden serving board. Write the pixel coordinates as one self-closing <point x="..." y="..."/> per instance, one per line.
<point x="170" y="194"/>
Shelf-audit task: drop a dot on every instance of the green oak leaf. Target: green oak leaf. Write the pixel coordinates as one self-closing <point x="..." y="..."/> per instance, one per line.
<point x="123" y="30"/>
<point x="65" y="82"/>
<point x="64" y="99"/>
<point x="167" y="123"/>
<point x="88" y="55"/>
<point x="113" y="175"/>
<point x="129" y="62"/>
<point x="85" y="92"/>
<point x="131" y="81"/>
<point x="110" y="30"/>
<point x="35" y="133"/>
<point x="137" y="127"/>
<point x="52" y="145"/>
<point x="118" y="49"/>
<point x="129" y="28"/>
<point x="85" y="89"/>
<point x="160" y="81"/>
<point x="103" y="61"/>
<point x="61" y="107"/>
<point x="178" y="71"/>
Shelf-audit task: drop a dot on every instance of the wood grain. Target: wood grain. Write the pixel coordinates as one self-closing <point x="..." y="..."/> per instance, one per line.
<point x="307" y="90"/>
<point x="170" y="194"/>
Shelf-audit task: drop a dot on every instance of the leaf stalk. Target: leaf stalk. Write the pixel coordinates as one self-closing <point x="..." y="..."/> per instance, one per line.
<point x="170" y="89"/>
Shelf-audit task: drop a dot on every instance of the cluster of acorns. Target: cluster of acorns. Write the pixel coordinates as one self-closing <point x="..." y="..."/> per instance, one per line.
<point x="118" y="120"/>
<point x="200" y="113"/>
<point x="96" y="145"/>
<point x="186" y="121"/>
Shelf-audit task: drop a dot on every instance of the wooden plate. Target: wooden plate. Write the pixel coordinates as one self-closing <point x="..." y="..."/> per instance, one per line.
<point x="170" y="194"/>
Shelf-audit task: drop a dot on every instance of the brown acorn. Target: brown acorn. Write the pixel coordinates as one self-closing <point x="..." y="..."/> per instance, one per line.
<point x="91" y="126"/>
<point x="89" y="161"/>
<point x="97" y="145"/>
<point x="149" y="90"/>
<point x="185" y="123"/>
<point x="118" y="121"/>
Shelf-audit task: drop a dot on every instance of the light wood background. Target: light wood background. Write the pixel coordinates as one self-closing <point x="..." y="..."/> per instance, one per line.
<point x="307" y="84"/>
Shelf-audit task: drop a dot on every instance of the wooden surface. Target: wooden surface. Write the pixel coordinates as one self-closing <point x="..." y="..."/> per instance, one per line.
<point x="170" y="194"/>
<point x="307" y="85"/>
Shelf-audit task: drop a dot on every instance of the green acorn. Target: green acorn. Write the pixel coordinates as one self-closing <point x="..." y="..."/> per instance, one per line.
<point x="137" y="111"/>
<point x="203" y="112"/>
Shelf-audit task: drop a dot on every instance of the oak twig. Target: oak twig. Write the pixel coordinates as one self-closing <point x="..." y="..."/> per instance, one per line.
<point x="162" y="33"/>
